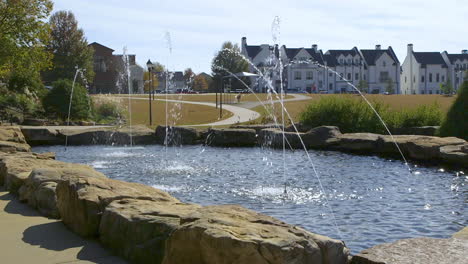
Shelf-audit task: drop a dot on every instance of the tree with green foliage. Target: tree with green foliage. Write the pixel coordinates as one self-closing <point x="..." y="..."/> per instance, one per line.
<point x="189" y="75"/>
<point x="23" y="36"/>
<point x="56" y="102"/>
<point x="362" y="86"/>
<point x="200" y="84"/>
<point x="69" y="47"/>
<point x="446" y="88"/>
<point x="389" y="86"/>
<point x="456" y="122"/>
<point x="228" y="59"/>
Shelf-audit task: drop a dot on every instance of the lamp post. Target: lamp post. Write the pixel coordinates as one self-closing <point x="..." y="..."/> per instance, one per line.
<point x="150" y="68"/>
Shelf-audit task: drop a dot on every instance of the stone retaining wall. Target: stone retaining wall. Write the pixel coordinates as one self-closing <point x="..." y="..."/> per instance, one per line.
<point x="146" y="225"/>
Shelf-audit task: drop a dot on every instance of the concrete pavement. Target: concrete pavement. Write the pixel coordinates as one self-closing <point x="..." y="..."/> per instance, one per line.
<point x="27" y="237"/>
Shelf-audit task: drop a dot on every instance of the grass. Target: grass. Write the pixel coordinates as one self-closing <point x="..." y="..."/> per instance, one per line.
<point x="394" y="102"/>
<point x="178" y="114"/>
<point x="210" y="97"/>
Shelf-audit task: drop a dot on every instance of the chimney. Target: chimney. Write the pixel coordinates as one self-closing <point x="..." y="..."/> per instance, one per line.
<point x="464" y="51"/>
<point x="410" y="48"/>
<point x="315" y="47"/>
<point x="244" y="41"/>
<point x="378" y="47"/>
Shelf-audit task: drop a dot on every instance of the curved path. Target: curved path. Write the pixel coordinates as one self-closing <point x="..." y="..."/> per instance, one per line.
<point x="241" y="112"/>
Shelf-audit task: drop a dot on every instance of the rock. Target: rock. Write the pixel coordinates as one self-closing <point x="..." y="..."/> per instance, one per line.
<point x="34" y="122"/>
<point x="415" y="250"/>
<point x="16" y="168"/>
<point x="232" y="234"/>
<point x="11" y="147"/>
<point x="12" y="134"/>
<point x="257" y="128"/>
<point x="45" y="155"/>
<point x="231" y="137"/>
<point x="462" y="234"/>
<point x="423" y="131"/>
<point x="428" y="148"/>
<point x="321" y="137"/>
<point x="86" y="123"/>
<point x="359" y="142"/>
<point x="37" y="136"/>
<point x="39" y="190"/>
<point x="273" y="138"/>
<point x="300" y="128"/>
<point x="454" y="154"/>
<point x="177" y="136"/>
<point x="140" y="135"/>
<point x="138" y="229"/>
<point x="81" y="200"/>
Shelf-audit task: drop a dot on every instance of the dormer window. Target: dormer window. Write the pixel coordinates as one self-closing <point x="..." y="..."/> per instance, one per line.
<point x="341" y="61"/>
<point x="384" y="64"/>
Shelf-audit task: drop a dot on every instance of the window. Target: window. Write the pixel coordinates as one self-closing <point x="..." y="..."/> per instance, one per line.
<point x="309" y="75"/>
<point x="414" y="79"/>
<point x="384" y="76"/>
<point x="430" y="77"/>
<point x="438" y="78"/>
<point x="405" y="79"/>
<point x="341" y="61"/>
<point x="330" y="74"/>
<point x="443" y="78"/>
<point x="341" y="76"/>
<point x="384" y="64"/>
<point x="320" y="84"/>
<point x="422" y="78"/>
<point x="303" y="59"/>
<point x="349" y="61"/>
<point x="364" y="77"/>
<point x="349" y="77"/>
<point x="430" y="91"/>
<point x="330" y="86"/>
<point x="357" y="76"/>
<point x="297" y="75"/>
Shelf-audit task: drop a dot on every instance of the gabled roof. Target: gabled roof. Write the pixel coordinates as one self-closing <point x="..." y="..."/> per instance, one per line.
<point x="372" y="55"/>
<point x="178" y="76"/>
<point x="253" y="51"/>
<point x="95" y="44"/>
<point x="292" y="52"/>
<point x="432" y="58"/>
<point x="331" y="57"/>
<point x="455" y="57"/>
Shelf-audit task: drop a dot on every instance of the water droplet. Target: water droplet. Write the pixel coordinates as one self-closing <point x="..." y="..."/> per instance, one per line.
<point x="427" y="207"/>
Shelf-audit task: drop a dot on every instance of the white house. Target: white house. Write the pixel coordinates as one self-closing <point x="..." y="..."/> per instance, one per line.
<point x="458" y="67"/>
<point x="350" y="66"/>
<point x="381" y="66"/>
<point x="423" y="72"/>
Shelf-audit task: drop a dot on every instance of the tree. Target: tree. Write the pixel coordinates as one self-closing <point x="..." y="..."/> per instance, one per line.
<point x="70" y="49"/>
<point x="446" y="88"/>
<point x="188" y="77"/>
<point x="228" y="60"/>
<point x="362" y="86"/>
<point x="200" y="84"/>
<point x="23" y="36"/>
<point x="456" y="122"/>
<point x="57" y="101"/>
<point x="389" y="86"/>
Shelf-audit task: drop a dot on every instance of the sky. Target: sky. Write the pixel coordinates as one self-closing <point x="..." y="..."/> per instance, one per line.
<point x="197" y="29"/>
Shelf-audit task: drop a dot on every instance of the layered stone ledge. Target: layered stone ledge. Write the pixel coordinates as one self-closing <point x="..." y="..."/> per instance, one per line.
<point x="146" y="225"/>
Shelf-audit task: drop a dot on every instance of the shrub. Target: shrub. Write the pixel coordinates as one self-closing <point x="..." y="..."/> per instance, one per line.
<point x="353" y="115"/>
<point x="108" y="111"/>
<point x="456" y="122"/>
<point x="56" y="102"/>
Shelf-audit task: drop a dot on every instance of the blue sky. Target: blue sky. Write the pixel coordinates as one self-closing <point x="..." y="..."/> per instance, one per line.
<point x="198" y="28"/>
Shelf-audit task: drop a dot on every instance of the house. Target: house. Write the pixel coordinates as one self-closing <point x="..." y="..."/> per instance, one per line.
<point x="347" y="66"/>
<point x="176" y="82"/>
<point x="423" y="72"/>
<point x="458" y="67"/>
<point x="110" y="72"/>
<point x="382" y="68"/>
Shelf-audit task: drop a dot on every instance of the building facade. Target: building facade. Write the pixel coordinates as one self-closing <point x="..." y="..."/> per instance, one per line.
<point x="458" y="67"/>
<point x="423" y="72"/>
<point x="109" y="70"/>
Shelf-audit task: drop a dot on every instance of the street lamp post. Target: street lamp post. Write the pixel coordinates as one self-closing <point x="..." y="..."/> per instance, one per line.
<point x="150" y="68"/>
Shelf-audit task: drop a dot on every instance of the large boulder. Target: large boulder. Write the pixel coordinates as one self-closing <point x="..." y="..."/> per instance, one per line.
<point x="12" y="147"/>
<point x="138" y="229"/>
<point x="321" y="137"/>
<point x="232" y="234"/>
<point x="415" y="250"/>
<point x="231" y="137"/>
<point x="455" y="154"/>
<point x="81" y="200"/>
<point x="359" y="142"/>
<point x="138" y="135"/>
<point x="39" y="190"/>
<point x="16" y="168"/>
<point x="36" y="136"/>
<point x="12" y="140"/>
<point x="177" y="136"/>
<point x="273" y="138"/>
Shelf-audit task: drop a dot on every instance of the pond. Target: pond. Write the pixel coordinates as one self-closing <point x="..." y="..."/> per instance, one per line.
<point x="371" y="200"/>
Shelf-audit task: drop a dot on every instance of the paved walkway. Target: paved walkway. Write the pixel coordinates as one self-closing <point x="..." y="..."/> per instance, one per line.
<point x="27" y="237"/>
<point x="241" y="112"/>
